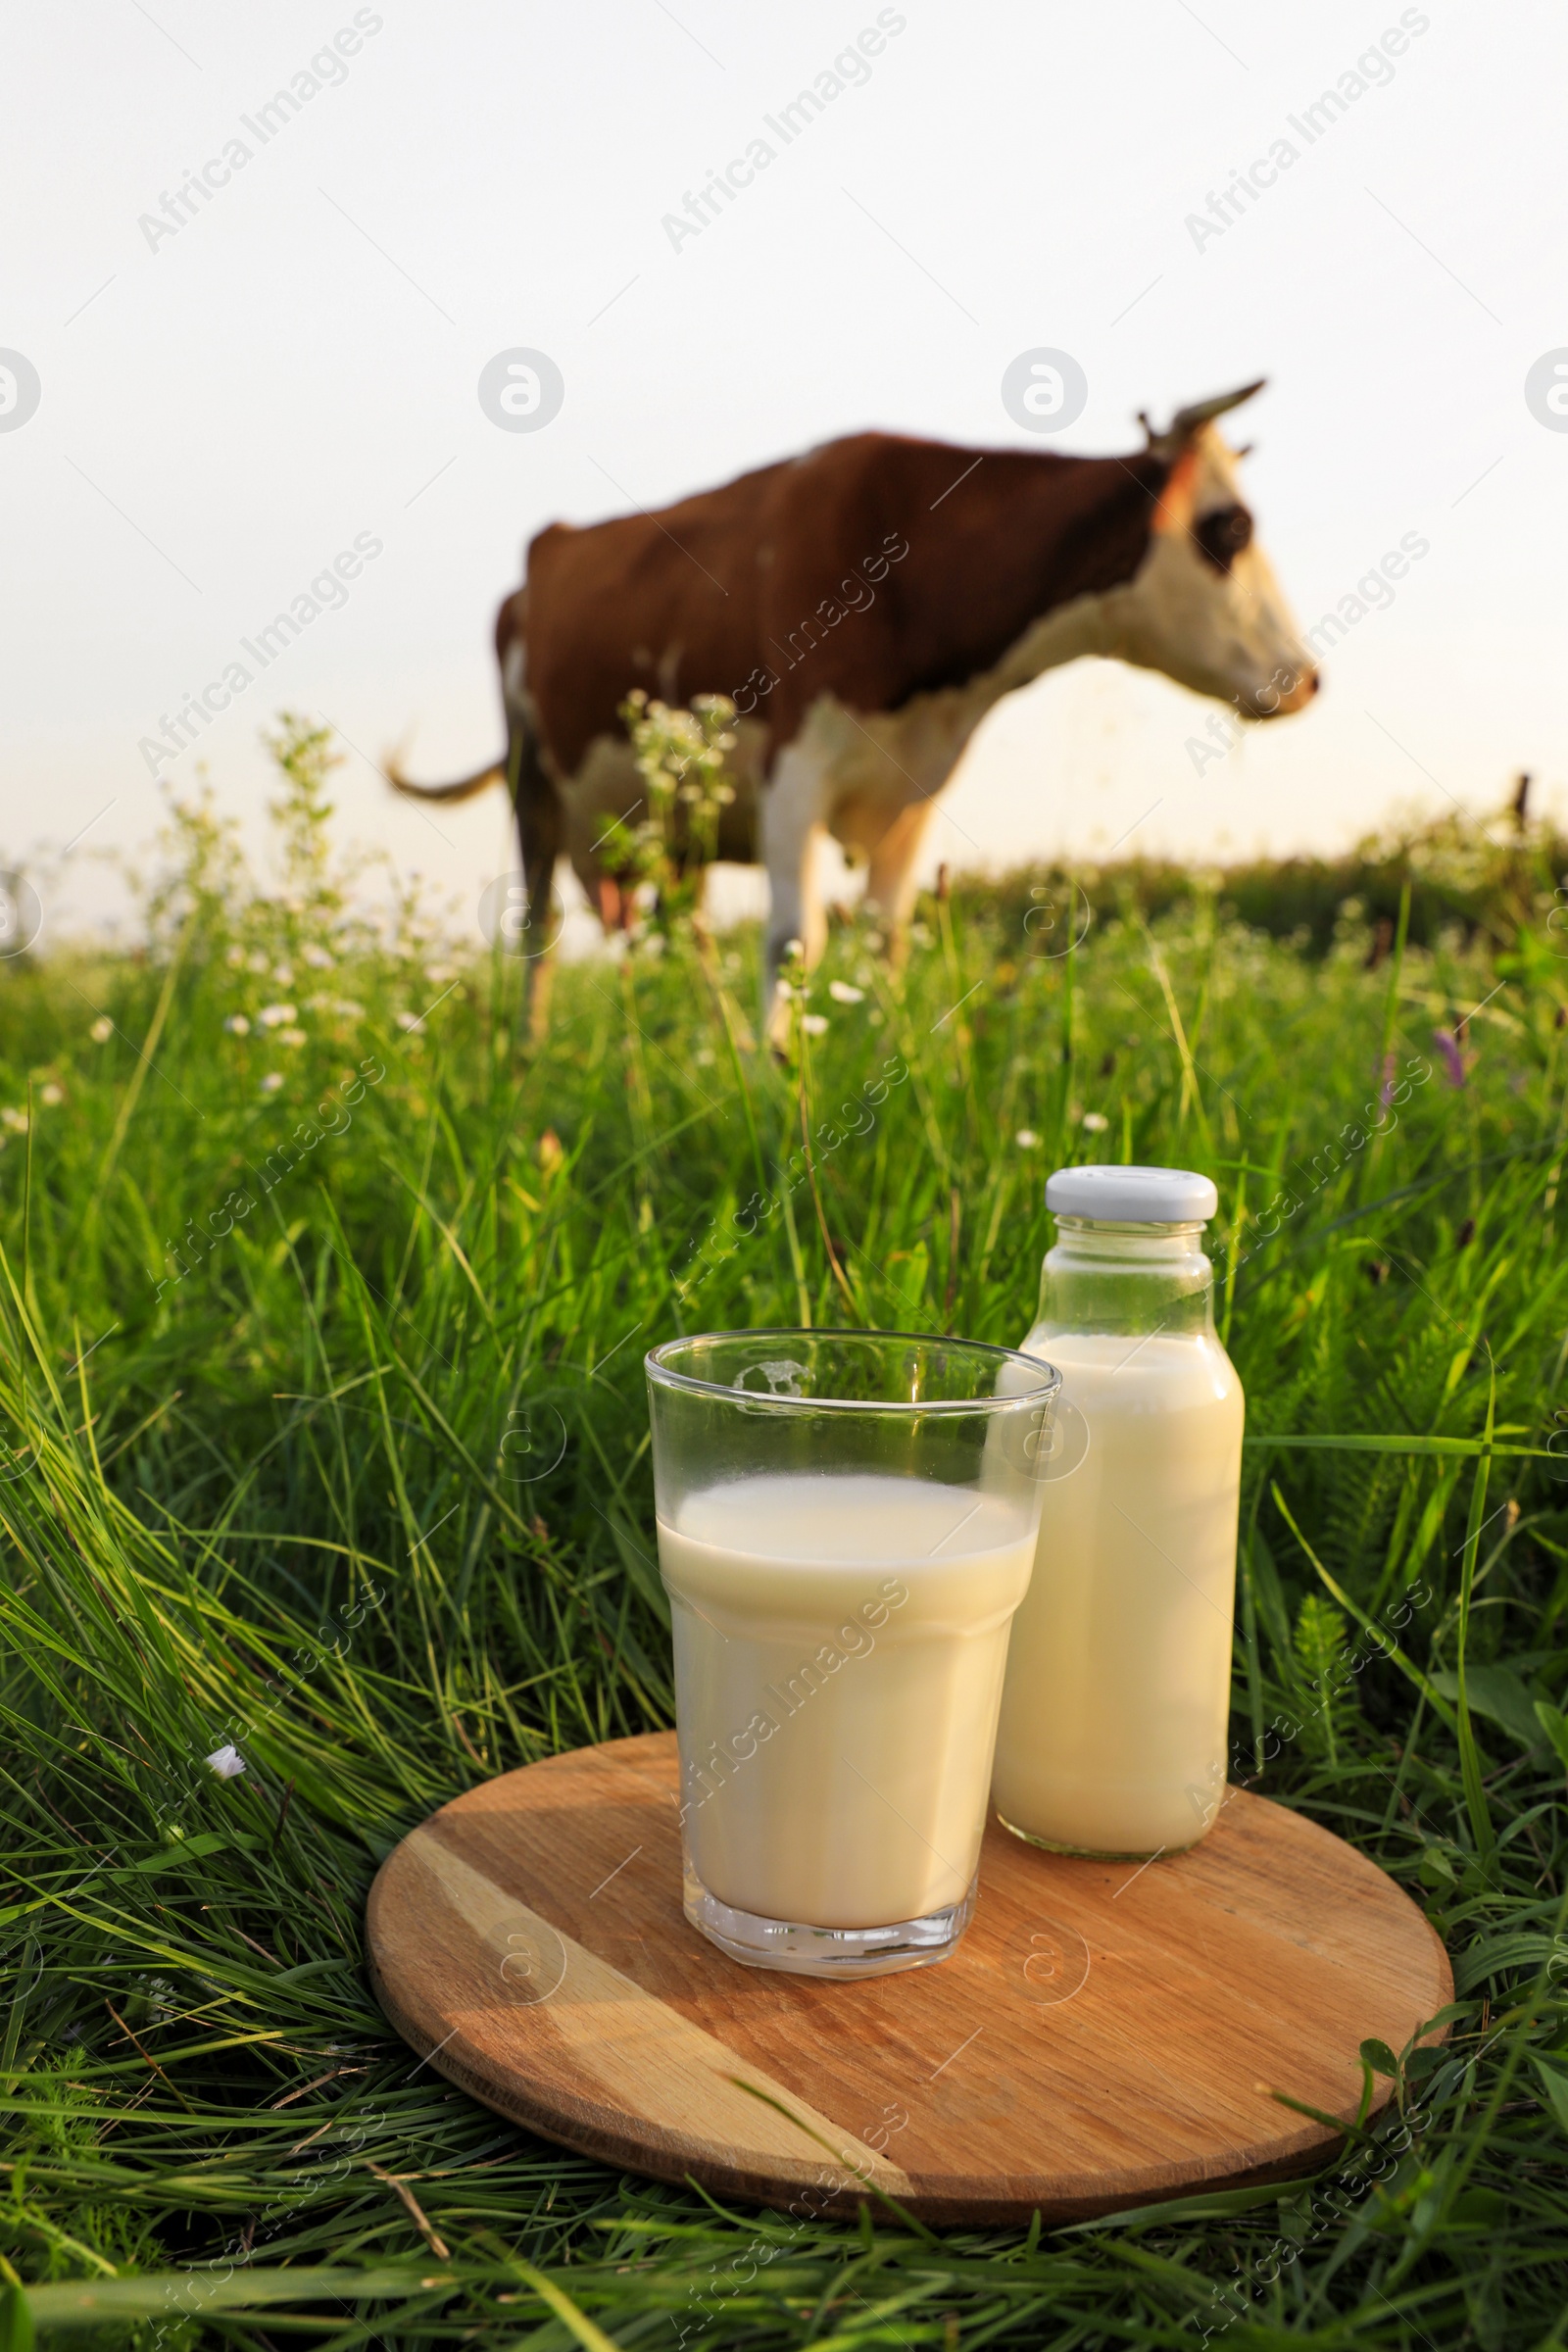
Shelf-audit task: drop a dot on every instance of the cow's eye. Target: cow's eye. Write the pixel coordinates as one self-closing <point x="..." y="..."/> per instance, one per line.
<point x="1221" y="534"/>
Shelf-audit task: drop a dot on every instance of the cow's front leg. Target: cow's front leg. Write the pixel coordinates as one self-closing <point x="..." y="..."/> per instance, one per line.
<point x="890" y="882"/>
<point x="791" y="829"/>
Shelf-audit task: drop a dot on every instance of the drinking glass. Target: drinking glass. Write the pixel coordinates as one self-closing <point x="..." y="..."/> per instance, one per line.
<point x="846" y="1522"/>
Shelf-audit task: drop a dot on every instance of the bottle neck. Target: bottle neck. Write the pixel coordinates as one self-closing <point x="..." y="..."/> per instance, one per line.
<point x="1126" y="1279"/>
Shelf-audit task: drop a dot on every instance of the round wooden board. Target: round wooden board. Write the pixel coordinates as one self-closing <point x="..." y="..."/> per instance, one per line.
<point x="1106" y="2033"/>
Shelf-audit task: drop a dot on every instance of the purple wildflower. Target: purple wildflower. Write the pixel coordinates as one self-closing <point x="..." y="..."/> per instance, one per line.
<point x="1448" y="1046"/>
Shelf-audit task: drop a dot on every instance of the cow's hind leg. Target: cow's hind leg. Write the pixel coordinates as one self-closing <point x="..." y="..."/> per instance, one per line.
<point x="537" y="804"/>
<point x="791" y="828"/>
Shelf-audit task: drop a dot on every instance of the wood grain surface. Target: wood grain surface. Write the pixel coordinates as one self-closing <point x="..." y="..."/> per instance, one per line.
<point x="1106" y="2033"/>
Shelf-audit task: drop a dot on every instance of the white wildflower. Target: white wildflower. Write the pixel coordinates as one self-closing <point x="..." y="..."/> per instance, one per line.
<point x="1095" y="1122"/>
<point x="227" y="1761"/>
<point x="842" y="993"/>
<point x="51" y="1094"/>
<point x="237" y="1025"/>
<point x="411" y="1022"/>
<point x="14" y="1119"/>
<point x="276" y="1016"/>
<point x="1027" y="1139"/>
<point x="272" y="1082"/>
<point x="320" y="959"/>
<point x="291" y="1037"/>
<point x="101" y="1030"/>
<point x="815" y="1023"/>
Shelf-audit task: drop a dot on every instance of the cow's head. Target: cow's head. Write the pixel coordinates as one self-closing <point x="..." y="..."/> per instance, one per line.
<point x="1204" y="606"/>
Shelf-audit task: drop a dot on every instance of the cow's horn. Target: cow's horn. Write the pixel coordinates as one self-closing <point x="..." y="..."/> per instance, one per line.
<point x="1190" y="420"/>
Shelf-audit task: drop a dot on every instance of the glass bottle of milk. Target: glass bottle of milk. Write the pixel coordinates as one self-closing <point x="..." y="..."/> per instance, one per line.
<point x="1115" y="1709"/>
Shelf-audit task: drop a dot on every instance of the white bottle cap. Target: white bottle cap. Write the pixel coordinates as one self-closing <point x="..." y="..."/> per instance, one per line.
<point x="1132" y="1196"/>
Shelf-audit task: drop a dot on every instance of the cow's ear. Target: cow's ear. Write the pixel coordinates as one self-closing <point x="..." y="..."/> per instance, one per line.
<point x="1174" y="511"/>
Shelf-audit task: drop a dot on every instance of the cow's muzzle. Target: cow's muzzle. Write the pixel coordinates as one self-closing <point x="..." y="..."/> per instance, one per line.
<point x="1288" y="690"/>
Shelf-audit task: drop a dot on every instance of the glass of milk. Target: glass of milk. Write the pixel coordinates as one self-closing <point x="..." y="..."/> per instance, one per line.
<point x="846" y="1523"/>
<point x="1113" y="1731"/>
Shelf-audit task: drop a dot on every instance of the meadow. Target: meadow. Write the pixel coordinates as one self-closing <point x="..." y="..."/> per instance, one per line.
<point x="327" y="1279"/>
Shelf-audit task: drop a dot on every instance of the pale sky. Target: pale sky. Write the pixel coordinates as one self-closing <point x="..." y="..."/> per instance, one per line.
<point x="225" y="409"/>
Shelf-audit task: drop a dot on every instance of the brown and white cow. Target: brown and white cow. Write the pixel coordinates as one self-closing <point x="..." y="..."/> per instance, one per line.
<point x="865" y="605"/>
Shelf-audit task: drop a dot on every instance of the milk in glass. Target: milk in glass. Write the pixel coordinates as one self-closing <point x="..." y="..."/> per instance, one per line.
<point x="1113" y="1730"/>
<point x="840" y="1642"/>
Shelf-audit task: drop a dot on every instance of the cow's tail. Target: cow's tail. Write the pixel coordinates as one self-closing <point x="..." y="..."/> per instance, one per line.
<point x="462" y="790"/>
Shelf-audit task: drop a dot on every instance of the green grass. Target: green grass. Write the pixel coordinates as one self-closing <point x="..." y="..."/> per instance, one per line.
<point x="286" y="1475"/>
<point x="1483" y="880"/>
